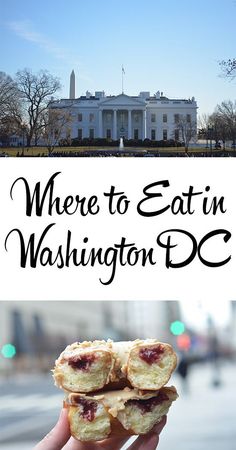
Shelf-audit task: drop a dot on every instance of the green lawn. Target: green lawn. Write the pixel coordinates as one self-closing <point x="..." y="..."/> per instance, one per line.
<point x="43" y="151"/>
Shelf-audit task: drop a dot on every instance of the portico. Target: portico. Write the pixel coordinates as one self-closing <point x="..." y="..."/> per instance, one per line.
<point x="122" y="116"/>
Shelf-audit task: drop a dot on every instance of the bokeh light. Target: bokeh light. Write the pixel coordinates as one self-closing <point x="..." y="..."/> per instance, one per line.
<point x="8" y="351"/>
<point x="184" y="342"/>
<point x="177" y="328"/>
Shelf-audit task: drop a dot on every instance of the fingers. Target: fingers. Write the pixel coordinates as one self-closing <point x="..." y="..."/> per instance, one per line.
<point x="113" y="443"/>
<point x="149" y="441"/>
<point x="107" y="444"/>
<point x="146" y="442"/>
<point x="58" y="436"/>
<point x="159" y="427"/>
<point x="73" y="444"/>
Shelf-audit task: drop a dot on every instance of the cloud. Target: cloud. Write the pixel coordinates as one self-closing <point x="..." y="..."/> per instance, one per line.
<point x="24" y="29"/>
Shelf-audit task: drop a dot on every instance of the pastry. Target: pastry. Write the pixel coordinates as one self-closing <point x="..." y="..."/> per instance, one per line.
<point x="92" y="366"/>
<point x="117" y="413"/>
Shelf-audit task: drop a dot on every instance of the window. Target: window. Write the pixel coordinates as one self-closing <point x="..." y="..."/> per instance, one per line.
<point x="153" y="135"/>
<point x="164" y="135"/>
<point x="108" y="133"/>
<point x="136" y="117"/>
<point x="80" y="134"/>
<point x="176" y="118"/>
<point x="176" y="135"/>
<point x="136" y="133"/>
<point x="108" y="117"/>
<point x="189" y="118"/>
<point x="164" y="117"/>
<point x="80" y="117"/>
<point x="91" y="133"/>
<point x="153" y="118"/>
<point x="91" y="117"/>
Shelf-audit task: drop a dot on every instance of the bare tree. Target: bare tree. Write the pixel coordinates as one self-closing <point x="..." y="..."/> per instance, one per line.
<point x="8" y="94"/>
<point x="35" y="91"/>
<point x="226" y="112"/>
<point x="10" y="107"/>
<point x="228" y="68"/>
<point x="187" y="129"/>
<point x="218" y="126"/>
<point x="55" y="125"/>
<point x="203" y="124"/>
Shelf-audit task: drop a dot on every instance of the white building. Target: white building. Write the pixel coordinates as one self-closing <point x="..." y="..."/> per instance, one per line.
<point x="131" y="117"/>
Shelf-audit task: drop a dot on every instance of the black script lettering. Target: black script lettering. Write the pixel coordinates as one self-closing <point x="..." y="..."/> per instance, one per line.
<point x="215" y="204"/>
<point x="168" y="246"/>
<point x="227" y="236"/>
<point x="152" y="195"/>
<point x="30" y="250"/>
<point x="69" y="206"/>
<point x="122" y="202"/>
<point x="124" y="253"/>
<point x="146" y="255"/>
<point x="46" y="257"/>
<point x="178" y="204"/>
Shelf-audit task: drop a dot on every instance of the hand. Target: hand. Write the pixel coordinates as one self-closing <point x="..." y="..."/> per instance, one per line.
<point x="60" y="438"/>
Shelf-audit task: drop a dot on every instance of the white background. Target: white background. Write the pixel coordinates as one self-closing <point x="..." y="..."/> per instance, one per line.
<point x="89" y="176"/>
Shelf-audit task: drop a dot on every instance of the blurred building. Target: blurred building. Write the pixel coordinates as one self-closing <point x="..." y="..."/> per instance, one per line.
<point x="39" y="329"/>
<point x="233" y="323"/>
<point x="144" y="319"/>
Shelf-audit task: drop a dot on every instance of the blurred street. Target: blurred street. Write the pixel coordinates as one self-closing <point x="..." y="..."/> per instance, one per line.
<point x="203" y="418"/>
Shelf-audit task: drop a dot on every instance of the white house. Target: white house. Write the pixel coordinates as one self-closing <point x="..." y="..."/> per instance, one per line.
<point x="132" y="117"/>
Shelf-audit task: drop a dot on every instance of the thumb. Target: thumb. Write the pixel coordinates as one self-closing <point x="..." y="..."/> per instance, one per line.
<point x="58" y="436"/>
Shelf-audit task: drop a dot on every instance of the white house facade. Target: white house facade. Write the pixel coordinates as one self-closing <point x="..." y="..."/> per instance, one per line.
<point x="131" y="117"/>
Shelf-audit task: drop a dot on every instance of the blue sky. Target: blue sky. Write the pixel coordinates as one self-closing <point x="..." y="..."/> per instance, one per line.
<point x="169" y="45"/>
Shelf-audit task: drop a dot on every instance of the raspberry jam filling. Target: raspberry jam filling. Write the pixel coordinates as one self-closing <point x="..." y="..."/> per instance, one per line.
<point x="82" y="362"/>
<point x="147" y="405"/>
<point x="89" y="409"/>
<point x="152" y="355"/>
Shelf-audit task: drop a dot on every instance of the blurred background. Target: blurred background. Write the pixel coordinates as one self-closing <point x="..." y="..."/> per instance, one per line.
<point x="32" y="334"/>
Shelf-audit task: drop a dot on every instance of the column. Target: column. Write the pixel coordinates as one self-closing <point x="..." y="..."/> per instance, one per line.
<point x="129" y="125"/>
<point x="100" y="127"/>
<point x="115" y="124"/>
<point x="144" y="124"/>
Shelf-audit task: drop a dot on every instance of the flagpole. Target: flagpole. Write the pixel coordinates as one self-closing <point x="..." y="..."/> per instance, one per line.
<point x="123" y="71"/>
<point x="122" y="79"/>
